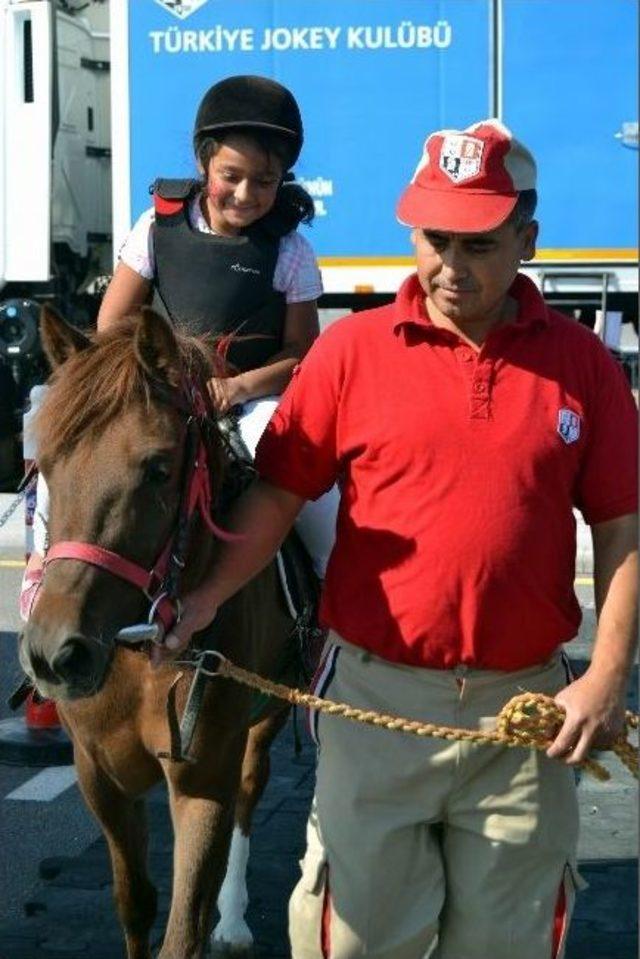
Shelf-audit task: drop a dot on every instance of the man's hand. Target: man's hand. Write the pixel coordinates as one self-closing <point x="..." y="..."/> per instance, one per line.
<point x="262" y="517"/>
<point x="594" y="707"/>
<point x="197" y="614"/>
<point x="226" y="392"/>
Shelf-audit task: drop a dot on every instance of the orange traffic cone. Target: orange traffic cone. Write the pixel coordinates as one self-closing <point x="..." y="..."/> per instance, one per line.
<point x="37" y="738"/>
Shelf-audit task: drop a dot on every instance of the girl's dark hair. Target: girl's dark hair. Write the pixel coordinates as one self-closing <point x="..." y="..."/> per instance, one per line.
<point x="292" y="204"/>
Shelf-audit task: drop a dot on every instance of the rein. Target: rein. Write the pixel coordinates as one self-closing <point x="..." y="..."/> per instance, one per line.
<point x="528" y="720"/>
<point x="160" y="583"/>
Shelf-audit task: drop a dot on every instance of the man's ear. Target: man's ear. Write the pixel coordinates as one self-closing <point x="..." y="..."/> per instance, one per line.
<point x="155" y="344"/>
<point x="60" y="341"/>
<point x="414" y="236"/>
<point x="529" y="237"/>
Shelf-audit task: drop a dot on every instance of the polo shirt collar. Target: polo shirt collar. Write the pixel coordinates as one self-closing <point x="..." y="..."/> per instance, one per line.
<point x="410" y="308"/>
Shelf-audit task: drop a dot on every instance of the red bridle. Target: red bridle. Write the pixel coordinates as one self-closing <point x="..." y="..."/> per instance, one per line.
<point x="159" y="583"/>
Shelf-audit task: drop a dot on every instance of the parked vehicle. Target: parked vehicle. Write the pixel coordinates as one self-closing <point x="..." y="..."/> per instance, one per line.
<point x="371" y="79"/>
<point x="55" y="171"/>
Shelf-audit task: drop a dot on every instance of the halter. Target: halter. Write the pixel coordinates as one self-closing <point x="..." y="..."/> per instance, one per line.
<point x="160" y="583"/>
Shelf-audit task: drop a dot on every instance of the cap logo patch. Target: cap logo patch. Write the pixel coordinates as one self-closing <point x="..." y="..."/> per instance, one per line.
<point x="568" y="425"/>
<point x="460" y="156"/>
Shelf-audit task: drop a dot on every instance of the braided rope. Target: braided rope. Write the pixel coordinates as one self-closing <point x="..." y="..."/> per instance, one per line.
<point x="529" y="720"/>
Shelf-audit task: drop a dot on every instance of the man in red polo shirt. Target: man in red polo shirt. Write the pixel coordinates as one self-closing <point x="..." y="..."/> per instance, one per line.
<point x="463" y="423"/>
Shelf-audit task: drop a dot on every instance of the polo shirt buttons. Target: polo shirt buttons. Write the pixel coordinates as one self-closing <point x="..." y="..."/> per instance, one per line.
<point x="480" y="392"/>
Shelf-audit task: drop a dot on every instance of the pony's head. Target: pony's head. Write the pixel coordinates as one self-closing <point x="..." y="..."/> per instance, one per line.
<point x="112" y="440"/>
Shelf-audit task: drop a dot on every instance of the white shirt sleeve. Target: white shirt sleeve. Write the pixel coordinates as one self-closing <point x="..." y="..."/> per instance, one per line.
<point x="297" y="274"/>
<point x="137" y="250"/>
<point x="41" y="517"/>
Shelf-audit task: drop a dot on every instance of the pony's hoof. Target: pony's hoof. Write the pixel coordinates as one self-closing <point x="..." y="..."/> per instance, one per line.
<point x="231" y="937"/>
<point x="219" y="949"/>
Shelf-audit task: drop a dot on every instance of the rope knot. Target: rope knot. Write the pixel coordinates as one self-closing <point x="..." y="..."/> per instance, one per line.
<point x="530" y="718"/>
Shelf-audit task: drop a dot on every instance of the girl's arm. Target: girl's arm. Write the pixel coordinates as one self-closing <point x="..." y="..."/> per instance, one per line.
<point x="126" y="293"/>
<point x="301" y="327"/>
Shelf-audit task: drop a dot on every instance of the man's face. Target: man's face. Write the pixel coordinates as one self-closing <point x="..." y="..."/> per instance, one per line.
<point x="466" y="276"/>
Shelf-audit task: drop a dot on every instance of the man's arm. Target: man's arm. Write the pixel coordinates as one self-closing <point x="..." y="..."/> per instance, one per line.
<point x="263" y="517"/>
<point x="595" y="702"/>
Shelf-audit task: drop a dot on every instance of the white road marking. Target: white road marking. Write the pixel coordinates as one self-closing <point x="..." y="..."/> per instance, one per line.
<point x="45" y="785"/>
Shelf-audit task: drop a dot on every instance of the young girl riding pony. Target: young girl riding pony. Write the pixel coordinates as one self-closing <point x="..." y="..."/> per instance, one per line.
<point x="221" y="255"/>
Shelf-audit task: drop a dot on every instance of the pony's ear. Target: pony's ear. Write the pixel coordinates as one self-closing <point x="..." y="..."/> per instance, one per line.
<point x="59" y="339"/>
<point x="155" y="343"/>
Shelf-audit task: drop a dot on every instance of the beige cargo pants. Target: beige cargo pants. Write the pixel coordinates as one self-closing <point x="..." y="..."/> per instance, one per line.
<point x="423" y="846"/>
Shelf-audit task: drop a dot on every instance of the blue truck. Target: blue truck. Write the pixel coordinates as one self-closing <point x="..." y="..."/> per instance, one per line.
<point x="372" y="77"/>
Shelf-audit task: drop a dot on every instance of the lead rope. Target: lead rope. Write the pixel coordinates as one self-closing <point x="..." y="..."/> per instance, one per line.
<point x="529" y="720"/>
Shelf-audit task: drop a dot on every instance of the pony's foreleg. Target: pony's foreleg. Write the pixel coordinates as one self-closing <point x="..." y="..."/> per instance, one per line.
<point x="232" y="935"/>
<point x="202" y="828"/>
<point x="123" y="822"/>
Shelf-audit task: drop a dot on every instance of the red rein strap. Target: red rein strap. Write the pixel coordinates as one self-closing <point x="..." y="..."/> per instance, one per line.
<point x="200" y="497"/>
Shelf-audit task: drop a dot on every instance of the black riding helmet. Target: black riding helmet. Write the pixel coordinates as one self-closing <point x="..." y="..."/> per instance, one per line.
<point x="247" y="101"/>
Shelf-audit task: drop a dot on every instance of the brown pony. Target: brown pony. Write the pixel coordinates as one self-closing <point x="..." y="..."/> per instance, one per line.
<point x="112" y="436"/>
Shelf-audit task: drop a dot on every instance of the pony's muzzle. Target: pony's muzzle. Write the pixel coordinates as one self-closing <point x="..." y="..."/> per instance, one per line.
<point x="70" y="668"/>
<point x="74" y="662"/>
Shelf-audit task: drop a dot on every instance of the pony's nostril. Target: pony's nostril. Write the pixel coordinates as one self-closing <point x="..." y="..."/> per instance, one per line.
<point x="73" y="661"/>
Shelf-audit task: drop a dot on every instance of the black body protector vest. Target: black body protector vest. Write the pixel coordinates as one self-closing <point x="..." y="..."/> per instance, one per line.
<point x="218" y="284"/>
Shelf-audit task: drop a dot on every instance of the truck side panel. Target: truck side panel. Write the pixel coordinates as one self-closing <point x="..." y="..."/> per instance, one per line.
<point x="570" y="82"/>
<point x="371" y="79"/>
<point x="81" y="173"/>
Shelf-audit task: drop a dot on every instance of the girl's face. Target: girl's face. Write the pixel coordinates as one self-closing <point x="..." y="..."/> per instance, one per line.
<point x="242" y="182"/>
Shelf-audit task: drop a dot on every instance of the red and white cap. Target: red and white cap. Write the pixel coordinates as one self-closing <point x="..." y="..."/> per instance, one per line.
<point x="467" y="181"/>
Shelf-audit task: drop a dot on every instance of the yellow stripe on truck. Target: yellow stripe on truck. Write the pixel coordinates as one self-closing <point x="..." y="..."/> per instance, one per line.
<point x="627" y="254"/>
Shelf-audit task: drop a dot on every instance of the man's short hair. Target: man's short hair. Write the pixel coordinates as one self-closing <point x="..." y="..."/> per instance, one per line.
<point x="524" y="210"/>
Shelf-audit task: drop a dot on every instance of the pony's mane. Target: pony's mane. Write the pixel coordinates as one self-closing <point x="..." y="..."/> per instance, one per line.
<point x="96" y="384"/>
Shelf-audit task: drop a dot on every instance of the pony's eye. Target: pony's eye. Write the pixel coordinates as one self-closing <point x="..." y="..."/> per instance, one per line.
<point x="156" y="471"/>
